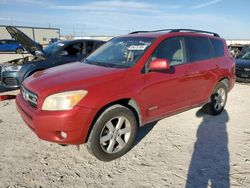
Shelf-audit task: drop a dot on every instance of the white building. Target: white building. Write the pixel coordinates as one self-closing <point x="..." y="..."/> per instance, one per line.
<point x="39" y="34"/>
<point x="103" y="38"/>
<point x="238" y="41"/>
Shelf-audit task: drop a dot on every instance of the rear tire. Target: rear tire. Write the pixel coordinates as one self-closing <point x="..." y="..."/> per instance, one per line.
<point x="218" y="100"/>
<point x="19" y="50"/>
<point x="113" y="133"/>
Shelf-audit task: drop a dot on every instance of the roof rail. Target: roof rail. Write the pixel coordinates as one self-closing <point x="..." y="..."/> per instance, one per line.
<point x="134" y="32"/>
<point x="195" y="31"/>
<point x="178" y="30"/>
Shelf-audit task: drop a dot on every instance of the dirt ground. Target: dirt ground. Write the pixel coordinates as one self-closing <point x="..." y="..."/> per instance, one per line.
<point x="189" y="149"/>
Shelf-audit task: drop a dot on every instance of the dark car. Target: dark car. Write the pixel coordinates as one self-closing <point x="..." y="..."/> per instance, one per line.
<point x="238" y="50"/>
<point x="243" y="68"/>
<point x="130" y="81"/>
<point x="12" y="73"/>
<point x="7" y="45"/>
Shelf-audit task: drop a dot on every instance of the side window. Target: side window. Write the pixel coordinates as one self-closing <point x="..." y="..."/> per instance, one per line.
<point x="97" y="45"/>
<point x="4" y="42"/>
<point x="90" y="45"/>
<point x="12" y="42"/>
<point x="171" y="49"/>
<point x="218" y="47"/>
<point x="199" y="48"/>
<point x="72" y="50"/>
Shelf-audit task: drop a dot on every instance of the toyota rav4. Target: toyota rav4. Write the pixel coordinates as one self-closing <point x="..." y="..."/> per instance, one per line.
<point x="128" y="82"/>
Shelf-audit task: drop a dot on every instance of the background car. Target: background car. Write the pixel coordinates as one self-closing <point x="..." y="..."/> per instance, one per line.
<point x="238" y="50"/>
<point x="243" y="68"/>
<point x="7" y="45"/>
<point x="12" y="73"/>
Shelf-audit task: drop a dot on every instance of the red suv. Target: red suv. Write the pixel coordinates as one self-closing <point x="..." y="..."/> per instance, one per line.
<point x="128" y="82"/>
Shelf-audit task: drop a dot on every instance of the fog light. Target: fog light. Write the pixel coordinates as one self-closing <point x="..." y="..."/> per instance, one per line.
<point x="63" y="134"/>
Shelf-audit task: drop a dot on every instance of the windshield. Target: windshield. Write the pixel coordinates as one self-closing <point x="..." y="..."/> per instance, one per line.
<point x="53" y="48"/>
<point x="120" y="52"/>
<point x="246" y="56"/>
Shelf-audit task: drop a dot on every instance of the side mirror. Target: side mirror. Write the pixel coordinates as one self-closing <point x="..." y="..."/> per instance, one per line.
<point x="159" y="64"/>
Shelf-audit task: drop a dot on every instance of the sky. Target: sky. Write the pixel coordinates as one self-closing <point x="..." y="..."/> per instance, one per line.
<point x="229" y="18"/>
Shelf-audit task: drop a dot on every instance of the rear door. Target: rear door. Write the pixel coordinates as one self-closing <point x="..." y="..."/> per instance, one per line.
<point x="169" y="91"/>
<point x="13" y="45"/>
<point x="202" y="67"/>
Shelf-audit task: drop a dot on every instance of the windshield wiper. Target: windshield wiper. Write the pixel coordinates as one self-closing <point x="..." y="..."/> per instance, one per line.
<point x="101" y="64"/>
<point x="92" y="62"/>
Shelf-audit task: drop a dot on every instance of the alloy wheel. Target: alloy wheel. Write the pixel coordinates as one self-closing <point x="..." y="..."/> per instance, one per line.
<point x="115" y="134"/>
<point x="219" y="99"/>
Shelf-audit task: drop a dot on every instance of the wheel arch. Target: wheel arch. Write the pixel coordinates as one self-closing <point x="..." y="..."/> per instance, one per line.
<point x="224" y="80"/>
<point x="127" y="102"/>
<point x="19" y="47"/>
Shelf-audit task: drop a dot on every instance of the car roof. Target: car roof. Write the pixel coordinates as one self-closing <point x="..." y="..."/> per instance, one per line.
<point x="8" y="40"/>
<point x="146" y="34"/>
<point x="79" y="40"/>
<point x="165" y="32"/>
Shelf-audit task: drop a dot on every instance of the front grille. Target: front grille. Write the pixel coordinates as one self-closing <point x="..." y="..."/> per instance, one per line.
<point x="30" y="97"/>
<point x="10" y="81"/>
<point x="1" y="73"/>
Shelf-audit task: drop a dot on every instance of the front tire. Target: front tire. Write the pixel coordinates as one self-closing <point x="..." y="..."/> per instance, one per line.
<point x="113" y="133"/>
<point x="218" y="100"/>
<point x="19" y="50"/>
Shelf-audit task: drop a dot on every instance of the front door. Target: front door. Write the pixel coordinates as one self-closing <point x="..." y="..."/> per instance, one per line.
<point x="71" y="53"/>
<point x="170" y="91"/>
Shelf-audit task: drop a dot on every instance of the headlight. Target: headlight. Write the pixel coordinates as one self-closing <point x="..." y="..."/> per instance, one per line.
<point x="13" y="68"/>
<point x="63" y="101"/>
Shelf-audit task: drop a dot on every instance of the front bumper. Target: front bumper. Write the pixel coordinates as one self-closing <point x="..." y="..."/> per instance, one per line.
<point x="242" y="75"/>
<point x="10" y="79"/>
<point x="48" y="125"/>
<point x="245" y="80"/>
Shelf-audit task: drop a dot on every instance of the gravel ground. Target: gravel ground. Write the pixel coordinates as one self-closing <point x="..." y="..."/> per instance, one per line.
<point x="189" y="149"/>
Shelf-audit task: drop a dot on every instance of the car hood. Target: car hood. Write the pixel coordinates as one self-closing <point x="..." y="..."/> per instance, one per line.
<point x="72" y="76"/>
<point x="243" y="63"/>
<point x="29" y="45"/>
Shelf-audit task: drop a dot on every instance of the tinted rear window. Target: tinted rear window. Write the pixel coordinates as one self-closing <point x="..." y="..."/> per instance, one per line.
<point x="218" y="47"/>
<point x="199" y="48"/>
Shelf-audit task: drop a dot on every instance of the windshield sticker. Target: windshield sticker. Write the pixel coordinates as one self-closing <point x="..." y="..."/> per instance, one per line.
<point x="60" y="44"/>
<point x="137" y="47"/>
